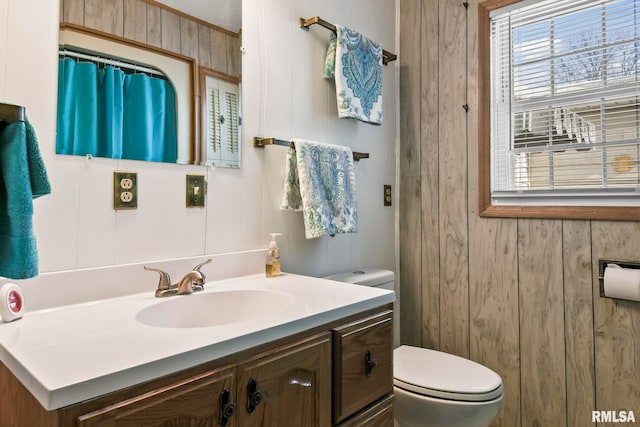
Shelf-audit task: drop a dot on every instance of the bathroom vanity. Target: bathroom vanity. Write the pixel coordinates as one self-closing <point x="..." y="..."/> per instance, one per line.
<point x="321" y="355"/>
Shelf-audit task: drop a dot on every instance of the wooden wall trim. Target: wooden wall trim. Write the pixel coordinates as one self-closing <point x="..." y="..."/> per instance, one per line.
<point x="453" y="179"/>
<point x="429" y="164"/>
<point x="484" y="111"/>
<point x="490" y="5"/>
<point x="193" y="18"/>
<point x="204" y="71"/>
<point x="410" y="191"/>
<point x="542" y="337"/>
<point x="579" y="321"/>
<point x="617" y="213"/>
<point x="119" y="39"/>
<point x="493" y="268"/>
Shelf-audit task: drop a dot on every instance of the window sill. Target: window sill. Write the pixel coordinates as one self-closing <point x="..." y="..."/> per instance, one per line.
<point x="616" y="213"/>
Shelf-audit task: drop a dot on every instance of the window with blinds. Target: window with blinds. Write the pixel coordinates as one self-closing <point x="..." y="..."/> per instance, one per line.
<point x="565" y="101"/>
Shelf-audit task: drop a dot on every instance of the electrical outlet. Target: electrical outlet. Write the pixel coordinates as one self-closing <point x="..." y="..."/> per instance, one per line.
<point x="125" y="190"/>
<point x="196" y="191"/>
<point x="387" y="195"/>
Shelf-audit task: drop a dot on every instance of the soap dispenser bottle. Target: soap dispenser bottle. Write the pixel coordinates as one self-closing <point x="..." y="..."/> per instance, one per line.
<point x="272" y="265"/>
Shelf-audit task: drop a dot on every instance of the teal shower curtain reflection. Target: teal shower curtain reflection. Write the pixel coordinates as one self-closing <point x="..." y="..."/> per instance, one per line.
<point x="106" y="112"/>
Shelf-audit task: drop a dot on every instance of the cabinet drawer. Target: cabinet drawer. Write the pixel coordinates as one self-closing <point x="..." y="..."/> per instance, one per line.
<point x="380" y="414"/>
<point x="362" y="364"/>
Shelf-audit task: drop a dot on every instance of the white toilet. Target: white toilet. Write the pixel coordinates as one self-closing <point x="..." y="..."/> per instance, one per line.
<point x="432" y="388"/>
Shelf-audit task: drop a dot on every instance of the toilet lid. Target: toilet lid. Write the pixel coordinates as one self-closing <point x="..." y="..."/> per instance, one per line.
<point x="442" y="375"/>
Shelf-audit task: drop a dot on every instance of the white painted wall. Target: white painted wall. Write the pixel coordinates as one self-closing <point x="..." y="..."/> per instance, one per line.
<point x="284" y="96"/>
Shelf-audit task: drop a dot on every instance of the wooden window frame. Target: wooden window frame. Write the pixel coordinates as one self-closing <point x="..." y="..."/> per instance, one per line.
<point x="485" y="208"/>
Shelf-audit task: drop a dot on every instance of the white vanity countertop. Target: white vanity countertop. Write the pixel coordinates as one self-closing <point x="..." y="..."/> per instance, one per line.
<point x="72" y="353"/>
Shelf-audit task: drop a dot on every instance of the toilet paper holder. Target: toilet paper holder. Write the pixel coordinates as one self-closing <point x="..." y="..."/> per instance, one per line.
<point x="602" y="265"/>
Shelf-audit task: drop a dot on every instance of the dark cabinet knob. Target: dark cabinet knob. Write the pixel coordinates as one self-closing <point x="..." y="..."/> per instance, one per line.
<point x="254" y="396"/>
<point x="369" y="363"/>
<point x="227" y="408"/>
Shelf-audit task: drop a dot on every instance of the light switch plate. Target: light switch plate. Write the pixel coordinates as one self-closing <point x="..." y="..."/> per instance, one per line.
<point x="125" y="190"/>
<point x="196" y="191"/>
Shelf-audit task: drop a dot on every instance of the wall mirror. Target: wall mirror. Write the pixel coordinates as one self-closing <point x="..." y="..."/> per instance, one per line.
<point x="195" y="97"/>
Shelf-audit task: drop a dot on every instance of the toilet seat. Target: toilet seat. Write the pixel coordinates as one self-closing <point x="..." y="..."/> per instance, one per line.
<point x="444" y="376"/>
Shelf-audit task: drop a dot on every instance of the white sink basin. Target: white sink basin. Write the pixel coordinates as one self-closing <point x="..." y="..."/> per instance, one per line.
<point x="219" y="308"/>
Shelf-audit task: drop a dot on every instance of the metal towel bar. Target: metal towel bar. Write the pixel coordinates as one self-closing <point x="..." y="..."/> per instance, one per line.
<point x="306" y="23"/>
<point x="262" y="142"/>
<point x="11" y="113"/>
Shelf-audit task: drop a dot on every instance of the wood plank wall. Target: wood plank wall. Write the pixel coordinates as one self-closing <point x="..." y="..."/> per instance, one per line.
<point x="148" y="22"/>
<point x="518" y="295"/>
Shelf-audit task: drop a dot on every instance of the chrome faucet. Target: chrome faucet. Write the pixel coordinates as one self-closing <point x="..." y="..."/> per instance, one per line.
<point x="193" y="281"/>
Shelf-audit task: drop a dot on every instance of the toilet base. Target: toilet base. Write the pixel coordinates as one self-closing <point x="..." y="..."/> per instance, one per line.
<point x="413" y="410"/>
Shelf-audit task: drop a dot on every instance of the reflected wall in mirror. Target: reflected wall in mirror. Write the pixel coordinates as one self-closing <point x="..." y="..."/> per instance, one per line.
<point x="191" y="30"/>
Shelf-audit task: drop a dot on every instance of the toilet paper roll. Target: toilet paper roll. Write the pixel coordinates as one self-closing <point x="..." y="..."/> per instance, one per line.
<point x="622" y="283"/>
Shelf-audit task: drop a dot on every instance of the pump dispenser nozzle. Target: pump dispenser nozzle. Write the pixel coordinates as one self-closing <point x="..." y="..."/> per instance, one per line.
<point x="272" y="265"/>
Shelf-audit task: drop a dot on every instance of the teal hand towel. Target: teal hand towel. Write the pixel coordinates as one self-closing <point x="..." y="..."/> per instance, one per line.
<point x="320" y="181"/>
<point x="23" y="177"/>
<point x="355" y="62"/>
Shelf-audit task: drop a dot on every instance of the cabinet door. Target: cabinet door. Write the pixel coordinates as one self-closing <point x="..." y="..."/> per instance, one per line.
<point x="363" y="364"/>
<point x="289" y="386"/>
<point x="195" y="402"/>
<point x="379" y="414"/>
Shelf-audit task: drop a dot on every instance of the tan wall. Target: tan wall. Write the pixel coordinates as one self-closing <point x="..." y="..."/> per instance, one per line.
<point x="518" y="295"/>
<point x="148" y="22"/>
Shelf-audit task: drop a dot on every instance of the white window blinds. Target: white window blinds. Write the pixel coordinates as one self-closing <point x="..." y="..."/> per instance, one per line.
<point x="565" y="102"/>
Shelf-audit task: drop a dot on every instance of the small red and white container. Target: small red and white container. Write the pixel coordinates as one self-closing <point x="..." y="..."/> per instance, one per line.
<point x="11" y="302"/>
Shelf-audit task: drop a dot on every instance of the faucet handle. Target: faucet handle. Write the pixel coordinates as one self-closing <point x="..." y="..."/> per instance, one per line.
<point x="165" y="281"/>
<point x="198" y="284"/>
<point x="199" y="266"/>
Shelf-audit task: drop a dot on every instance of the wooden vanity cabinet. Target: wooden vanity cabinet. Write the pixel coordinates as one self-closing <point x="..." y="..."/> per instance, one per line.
<point x="284" y="386"/>
<point x="317" y="378"/>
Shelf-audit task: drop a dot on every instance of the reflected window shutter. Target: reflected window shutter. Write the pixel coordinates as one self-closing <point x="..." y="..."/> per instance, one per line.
<point x="215" y="131"/>
<point x="223" y="123"/>
<point x="232" y="116"/>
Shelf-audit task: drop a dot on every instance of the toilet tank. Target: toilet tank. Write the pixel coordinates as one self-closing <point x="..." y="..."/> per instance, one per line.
<point x="383" y="279"/>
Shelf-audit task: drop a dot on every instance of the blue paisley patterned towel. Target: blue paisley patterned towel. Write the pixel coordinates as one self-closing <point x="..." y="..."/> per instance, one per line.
<point x="356" y="64"/>
<point x="319" y="180"/>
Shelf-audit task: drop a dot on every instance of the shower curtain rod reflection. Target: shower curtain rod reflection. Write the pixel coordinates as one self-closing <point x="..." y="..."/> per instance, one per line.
<point x="109" y="61"/>
<point x="306" y="23"/>
<point x="263" y="142"/>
